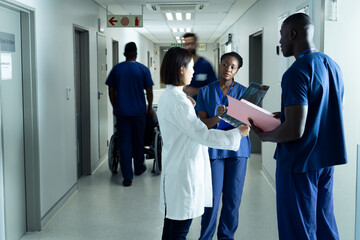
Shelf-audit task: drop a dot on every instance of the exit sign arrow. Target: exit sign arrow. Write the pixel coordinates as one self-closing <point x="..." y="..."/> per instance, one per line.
<point x="112" y="21"/>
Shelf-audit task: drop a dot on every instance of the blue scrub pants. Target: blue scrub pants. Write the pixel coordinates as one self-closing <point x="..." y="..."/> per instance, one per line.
<point x="305" y="205"/>
<point x="175" y="229"/>
<point x="228" y="176"/>
<point x="130" y="131"/>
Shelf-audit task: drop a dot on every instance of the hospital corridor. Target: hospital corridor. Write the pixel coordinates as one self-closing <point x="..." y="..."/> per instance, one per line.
<point x="101" y="209"/>
<point x="60" y="101"/>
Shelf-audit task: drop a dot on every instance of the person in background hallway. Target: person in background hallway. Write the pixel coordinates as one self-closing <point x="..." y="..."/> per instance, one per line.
<point x="127" y="81"/>
<point x="228" y="168"/>
<point x="311" y="137"/>
<point x="185" y="178"/>
<point x="204" y="73"/>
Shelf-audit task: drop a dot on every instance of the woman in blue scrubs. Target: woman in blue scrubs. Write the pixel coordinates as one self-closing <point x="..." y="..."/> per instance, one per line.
<point x="228" y="168"/>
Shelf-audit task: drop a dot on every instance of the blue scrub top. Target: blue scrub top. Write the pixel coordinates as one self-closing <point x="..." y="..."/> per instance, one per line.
<point x="314" y="80"/>
<point x="208" y="100"/>
<point x="130" y="79"/>
<point x="203" y="74"/>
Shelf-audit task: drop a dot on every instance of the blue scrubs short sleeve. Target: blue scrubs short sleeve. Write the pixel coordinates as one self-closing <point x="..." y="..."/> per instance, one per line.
<point x="110" y="81"/>
<point x="147" y="78"/>
<point x="294" y="89"/>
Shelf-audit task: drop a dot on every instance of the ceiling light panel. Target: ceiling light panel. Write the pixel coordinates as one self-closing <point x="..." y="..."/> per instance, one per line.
<point x="169" y="16"/>
<point x="178" y="16"/>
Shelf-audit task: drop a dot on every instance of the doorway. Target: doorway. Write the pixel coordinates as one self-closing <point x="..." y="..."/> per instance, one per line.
<point x="148" y="62"/>
<point x="82" y="100"/>
<point x="216" y="60"/>
<point x="12" y="125"/>
<point x="163" y="51"/>
<point x="19" y="185"/>
<point x="115" y="52"/>
<point x="102" y="96"/>
<point x="255" y="75"/>
<point x="115" y="60"/>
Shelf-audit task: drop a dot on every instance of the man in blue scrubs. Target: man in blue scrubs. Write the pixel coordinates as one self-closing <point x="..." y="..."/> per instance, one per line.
<point x="203" y="71"/>
<point x="127" y="81"/>
<point x="228" y="168"/>
<point x="311" y="137"/>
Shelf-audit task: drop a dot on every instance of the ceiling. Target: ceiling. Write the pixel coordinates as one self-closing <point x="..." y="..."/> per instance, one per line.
<point x="210" y="18"/>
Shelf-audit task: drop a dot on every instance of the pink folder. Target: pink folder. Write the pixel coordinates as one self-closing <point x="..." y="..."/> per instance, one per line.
<point x="243" y="110"/>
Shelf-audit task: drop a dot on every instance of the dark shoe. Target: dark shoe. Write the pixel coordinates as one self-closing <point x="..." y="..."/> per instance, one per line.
<point x="141" y="172"/>
<point x="127" y="183"/>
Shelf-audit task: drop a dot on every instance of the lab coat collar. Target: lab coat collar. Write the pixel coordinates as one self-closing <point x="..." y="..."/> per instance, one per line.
<point x="175" y="88"/>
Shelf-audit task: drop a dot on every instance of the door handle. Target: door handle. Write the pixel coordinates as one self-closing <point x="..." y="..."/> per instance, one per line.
<point x="99" y="94"/>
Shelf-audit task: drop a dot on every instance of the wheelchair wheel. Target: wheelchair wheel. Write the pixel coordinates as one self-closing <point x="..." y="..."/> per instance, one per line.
<point x="113" y="156"/>
<point x="157" y="148"/>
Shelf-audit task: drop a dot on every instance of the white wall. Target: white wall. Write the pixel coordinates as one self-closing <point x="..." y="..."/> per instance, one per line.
<point x="54" y="36"/>
<point x="342" y="44"/>
<point x="264" y="15"/>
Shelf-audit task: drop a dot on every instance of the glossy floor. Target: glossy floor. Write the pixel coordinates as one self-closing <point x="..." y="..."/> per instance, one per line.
<point x="103" y="209"/>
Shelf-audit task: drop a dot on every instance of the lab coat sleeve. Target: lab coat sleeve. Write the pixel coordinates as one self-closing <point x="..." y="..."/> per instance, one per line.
<point x="194" y="128"/>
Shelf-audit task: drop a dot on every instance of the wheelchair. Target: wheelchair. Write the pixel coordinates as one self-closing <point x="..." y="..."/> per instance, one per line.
<point x="152" y="146"/>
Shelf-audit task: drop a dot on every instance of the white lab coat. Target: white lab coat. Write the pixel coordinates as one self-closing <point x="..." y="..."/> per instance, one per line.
<point x="186" y="174"/>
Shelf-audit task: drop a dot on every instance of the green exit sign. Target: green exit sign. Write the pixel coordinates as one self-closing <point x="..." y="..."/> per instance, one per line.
<point x="177" y="45"/>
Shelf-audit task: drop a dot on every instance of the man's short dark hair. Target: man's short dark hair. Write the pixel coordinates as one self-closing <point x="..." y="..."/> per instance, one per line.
<point x="233" y="54"/>
<point x="298" y="19"/>
<point x="174" y="59"/>
<point x="186" y="35"/>
<point x="130" y="50"/>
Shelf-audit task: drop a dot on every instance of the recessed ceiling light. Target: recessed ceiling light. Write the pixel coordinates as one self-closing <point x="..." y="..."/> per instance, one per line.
<point x="174" y="30"/>
<point x="181" y="29"/>
<point x="178" y="41"/>
<point x="188" y="29"/>
<point x="178" y="16"/>
<point x="177" y="37"/>
<point x="188" y="16"/>
<point x="169" y="16"/>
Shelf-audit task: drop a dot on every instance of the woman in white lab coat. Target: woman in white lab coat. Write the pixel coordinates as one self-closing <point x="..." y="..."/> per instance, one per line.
<point x="186" y="178"/>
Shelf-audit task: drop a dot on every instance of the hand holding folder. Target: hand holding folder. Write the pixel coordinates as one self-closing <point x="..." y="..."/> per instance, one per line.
<point x="242" y="110"/>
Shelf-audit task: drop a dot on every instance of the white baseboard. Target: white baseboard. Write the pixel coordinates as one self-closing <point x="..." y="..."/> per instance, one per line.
<point x="58" y="205"/>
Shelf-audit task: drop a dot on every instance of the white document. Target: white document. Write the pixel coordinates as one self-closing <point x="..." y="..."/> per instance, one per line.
<point x="6" y="66"/>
